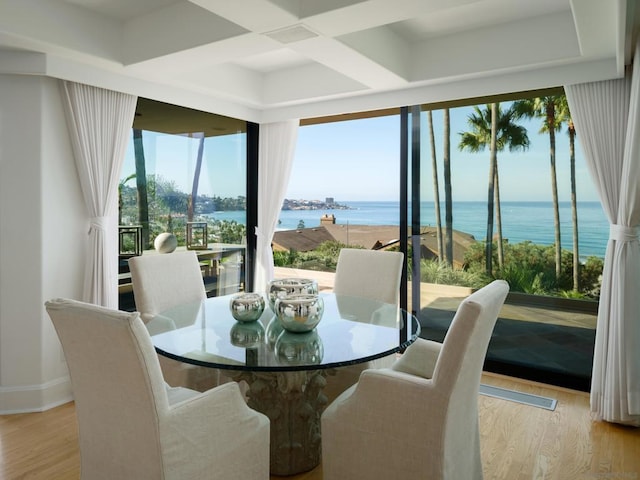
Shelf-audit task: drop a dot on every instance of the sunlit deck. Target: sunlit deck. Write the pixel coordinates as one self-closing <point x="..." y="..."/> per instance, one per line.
<point x="571" y="313"/>
<point x="546" y="339"/>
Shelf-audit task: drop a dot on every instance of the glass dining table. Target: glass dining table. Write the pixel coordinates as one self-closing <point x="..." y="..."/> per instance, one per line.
<point x="285" y="372"/>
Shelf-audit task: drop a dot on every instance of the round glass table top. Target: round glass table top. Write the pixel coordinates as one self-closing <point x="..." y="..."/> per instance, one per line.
<point x="352" y="330"/>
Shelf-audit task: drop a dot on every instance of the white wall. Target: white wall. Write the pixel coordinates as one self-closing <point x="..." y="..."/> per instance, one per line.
<point x="43" y="224"/>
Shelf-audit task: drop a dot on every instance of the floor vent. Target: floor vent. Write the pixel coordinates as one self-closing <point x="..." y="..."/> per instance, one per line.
<point x="525" y="398"/>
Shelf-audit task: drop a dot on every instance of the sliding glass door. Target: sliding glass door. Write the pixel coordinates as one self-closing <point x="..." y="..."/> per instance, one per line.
<point x="183" y="186"/>
<point x="476" y="214"/>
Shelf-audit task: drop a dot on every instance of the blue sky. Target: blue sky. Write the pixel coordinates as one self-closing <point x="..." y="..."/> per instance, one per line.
<point x="358" y="160"/>
<point x="174" y="157"/>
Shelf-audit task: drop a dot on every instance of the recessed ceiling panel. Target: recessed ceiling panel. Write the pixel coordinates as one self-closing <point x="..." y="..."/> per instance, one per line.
<point x="307" y="8"/>
<point x="172" y="29"/>
<point x="473" y="15"/>
<point x="307" y="82"/>
<point x="280" y="59"/>
<point x="507" y="47"/>
<point x="121" y="9"/>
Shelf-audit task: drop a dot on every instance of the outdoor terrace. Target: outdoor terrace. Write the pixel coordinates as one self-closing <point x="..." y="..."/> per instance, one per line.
<point x="545" y="339"/>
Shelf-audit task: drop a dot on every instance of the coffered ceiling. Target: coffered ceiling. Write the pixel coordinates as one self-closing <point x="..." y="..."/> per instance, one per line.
<point x="269" y="59"/>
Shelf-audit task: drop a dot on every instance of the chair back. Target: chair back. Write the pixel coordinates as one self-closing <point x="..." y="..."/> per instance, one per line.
<point x="465" y="345"/>
<point x="458" y="370"/>
<point x="117" y="385"/>
<point x="374" y="274"/>
<point x="370" y="274"/>
<point x="164" y="281"/>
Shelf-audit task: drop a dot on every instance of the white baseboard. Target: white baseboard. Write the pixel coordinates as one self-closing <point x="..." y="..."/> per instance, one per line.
<point x="35" y="398"/>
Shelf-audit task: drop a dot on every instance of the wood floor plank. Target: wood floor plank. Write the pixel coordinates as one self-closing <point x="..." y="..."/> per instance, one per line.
<point x="518" y="441"/>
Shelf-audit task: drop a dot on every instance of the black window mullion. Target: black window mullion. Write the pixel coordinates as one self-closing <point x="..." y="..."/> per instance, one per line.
<point x="253" y="131"/>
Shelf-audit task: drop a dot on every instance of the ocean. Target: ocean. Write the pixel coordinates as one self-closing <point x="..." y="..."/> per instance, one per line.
<point x="520" y="221"/>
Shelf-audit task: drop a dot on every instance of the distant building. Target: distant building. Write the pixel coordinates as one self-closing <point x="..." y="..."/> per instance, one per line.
<point x="328" y="219"/>
<point x="329" y="201"/>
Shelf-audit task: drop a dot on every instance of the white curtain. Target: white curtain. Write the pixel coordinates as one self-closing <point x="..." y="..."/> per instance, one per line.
<point x="277" y="145"/>
<point x="607" y="120"/>
<point x="99" y="123"/>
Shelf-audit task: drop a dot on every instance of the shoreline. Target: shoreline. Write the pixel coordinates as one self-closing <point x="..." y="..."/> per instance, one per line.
<point x="522" y="221"/>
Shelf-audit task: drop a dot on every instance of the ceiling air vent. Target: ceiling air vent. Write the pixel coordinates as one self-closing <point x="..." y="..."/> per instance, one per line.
<point x="292" y="34"/>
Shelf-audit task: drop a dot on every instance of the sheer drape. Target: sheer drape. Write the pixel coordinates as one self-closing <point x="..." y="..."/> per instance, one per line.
<point x="606" y="117"/>
<point x="275" y="156"/>
<point x="99" y="123"/>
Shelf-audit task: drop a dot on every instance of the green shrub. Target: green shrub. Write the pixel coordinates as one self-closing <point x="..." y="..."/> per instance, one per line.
<point x="285" y="259"/>
<point x="523" y="280"/>
<point x="324" y="258"/>
<point x="591" y="276"/>
<point x="434" y="271"/>
<point x="572" y="294"/>
<point x="530" y="268"/>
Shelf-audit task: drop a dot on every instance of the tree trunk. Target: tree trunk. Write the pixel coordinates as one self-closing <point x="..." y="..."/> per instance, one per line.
<point x="119" y="204"/>
<point x="554" y="185"/>
<point x="490" y="193"/>
<point x="574" y="208"/>
<point x="191" y="206"/>
<point x="436" y="190"/>
<point x="498" y="212"/>
<point x="141" y="185"/>
<point x="447" y="189"/>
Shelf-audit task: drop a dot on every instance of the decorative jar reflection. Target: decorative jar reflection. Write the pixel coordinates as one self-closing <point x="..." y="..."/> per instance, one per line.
<point x="247" y="334"/>
<point x="299" y="313"/>
<point x="273" y="331"/>
<point x="289" y="286"/>
<point x="299" y="348"/>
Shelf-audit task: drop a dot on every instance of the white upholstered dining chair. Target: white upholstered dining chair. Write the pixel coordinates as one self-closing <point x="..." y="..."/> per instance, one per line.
<point x="165" y="281"/>
<point x="370" y="274"/>
<point x="373" y="274"/>
<point x="132" y="425"/>
<point x="418" y="419"/>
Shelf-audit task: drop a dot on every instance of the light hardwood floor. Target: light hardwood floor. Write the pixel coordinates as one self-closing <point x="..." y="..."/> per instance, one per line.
<point x="518" y="441"/>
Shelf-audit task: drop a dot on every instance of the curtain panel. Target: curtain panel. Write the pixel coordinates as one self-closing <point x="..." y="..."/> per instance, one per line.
<point x="277" y="144"/>
<point x="99" y="123"/>
<point x="607" y="119"/>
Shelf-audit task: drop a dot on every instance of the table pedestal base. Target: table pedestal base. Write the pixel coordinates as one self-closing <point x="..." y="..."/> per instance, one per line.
<point x="293" y="401"/>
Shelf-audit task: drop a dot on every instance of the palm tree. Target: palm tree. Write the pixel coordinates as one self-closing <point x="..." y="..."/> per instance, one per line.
<point x="448" y="198"/>
<point x="141" y="185"/>
<point x="564" y="115"/>
<point x="496" y="128"/>
<point x="436" y="190"/>
<point x="491" y="194"/>
<point x="545" y="109"/>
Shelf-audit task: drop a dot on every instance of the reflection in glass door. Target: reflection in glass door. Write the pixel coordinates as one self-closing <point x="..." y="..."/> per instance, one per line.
<point x="183" y="186"/>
